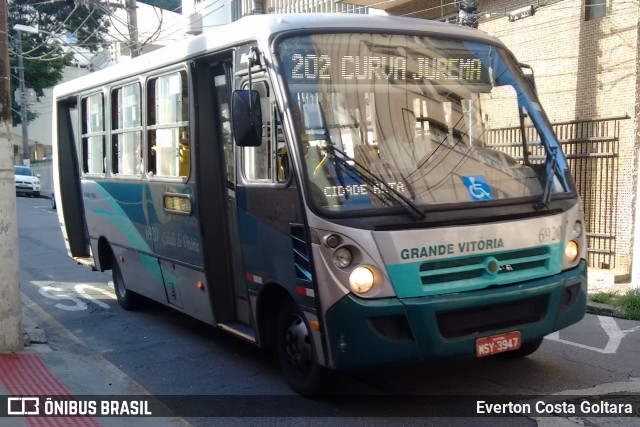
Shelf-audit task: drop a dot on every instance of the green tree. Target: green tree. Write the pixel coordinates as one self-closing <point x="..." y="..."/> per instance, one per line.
<point x="63" y="24"/>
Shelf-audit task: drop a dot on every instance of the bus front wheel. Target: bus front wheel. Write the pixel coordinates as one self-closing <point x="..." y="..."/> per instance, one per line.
<point x="127" y="299"/>
<point x="297" y="354"/>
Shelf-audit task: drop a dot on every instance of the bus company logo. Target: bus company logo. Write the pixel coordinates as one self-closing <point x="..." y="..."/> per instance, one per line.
<point x="23" y="406"/>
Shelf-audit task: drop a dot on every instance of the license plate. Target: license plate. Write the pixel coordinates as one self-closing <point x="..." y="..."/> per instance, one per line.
<point x="498" y="344"/>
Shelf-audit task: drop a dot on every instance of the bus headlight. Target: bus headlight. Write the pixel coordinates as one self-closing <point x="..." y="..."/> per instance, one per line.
<point x="571" y="251"/>
<point x="342" y="258"/>
<point x="361" y="279"/>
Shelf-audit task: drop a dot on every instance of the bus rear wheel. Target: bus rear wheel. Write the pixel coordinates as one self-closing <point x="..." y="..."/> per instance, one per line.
<point x="127" y="299"/>
<point x="297" y="354"/>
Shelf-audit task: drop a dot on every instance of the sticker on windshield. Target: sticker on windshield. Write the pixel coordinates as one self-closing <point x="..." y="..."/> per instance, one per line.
<point x="477" y="187"/>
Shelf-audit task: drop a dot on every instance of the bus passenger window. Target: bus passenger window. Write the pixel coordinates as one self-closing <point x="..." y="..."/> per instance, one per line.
<point x="93" y="134"/>
<point x="168" y="124"/>
<point x="126" y="134"/>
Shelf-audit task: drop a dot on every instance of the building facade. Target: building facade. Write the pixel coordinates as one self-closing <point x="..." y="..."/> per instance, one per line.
<point x="584" y="54"/>
<point x="585" y="57"/>
<point x="201" y="15"/>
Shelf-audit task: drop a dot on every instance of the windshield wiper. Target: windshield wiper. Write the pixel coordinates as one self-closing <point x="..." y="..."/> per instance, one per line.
<point x="550" y="172"/>
<point x="372" y="180"/>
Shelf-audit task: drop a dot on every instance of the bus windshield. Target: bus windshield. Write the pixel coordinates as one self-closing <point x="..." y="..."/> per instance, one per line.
<point x="387" y="119"/>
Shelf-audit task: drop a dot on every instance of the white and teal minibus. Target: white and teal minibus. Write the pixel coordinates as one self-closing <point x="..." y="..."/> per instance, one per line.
<point x="323" y="184"/>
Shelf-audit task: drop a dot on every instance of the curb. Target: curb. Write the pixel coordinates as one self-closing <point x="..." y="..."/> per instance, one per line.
<point x="31" y="333"/>
<point x="604" y="310"/>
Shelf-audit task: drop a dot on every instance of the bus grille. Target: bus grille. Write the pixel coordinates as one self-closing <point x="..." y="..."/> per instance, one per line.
<point x="496" y="268"/>
<point x="460" y="323"/>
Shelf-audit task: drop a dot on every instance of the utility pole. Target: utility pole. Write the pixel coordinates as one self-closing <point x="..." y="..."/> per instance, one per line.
<point x="26" y="158"/>
<point x="10" y="308"/>
<point x="132" y="22"/>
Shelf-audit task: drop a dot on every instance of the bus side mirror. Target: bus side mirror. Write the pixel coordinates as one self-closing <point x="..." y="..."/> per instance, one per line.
<point x="247" y="118"/>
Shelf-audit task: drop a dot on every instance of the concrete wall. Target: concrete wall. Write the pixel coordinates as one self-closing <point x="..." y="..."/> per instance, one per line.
<point x="45" y="170"/>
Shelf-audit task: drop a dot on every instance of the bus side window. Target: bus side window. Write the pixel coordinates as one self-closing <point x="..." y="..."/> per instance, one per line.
<point x="221" y="87"/>
<point x="282" y="154"/>
<point x="269" y="162"/>
<point x="168" y="125"/>
<point x="257" y="160"/>
<point x="126" y="144"/>
<point x="93" y="134"/>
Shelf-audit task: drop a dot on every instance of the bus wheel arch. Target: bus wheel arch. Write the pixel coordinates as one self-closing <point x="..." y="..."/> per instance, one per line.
<point x="105" y="255"/>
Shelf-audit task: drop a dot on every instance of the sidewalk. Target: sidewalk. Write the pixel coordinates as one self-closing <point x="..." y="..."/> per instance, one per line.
<point x="68" y="375"/>
<point x="600" y="281"/>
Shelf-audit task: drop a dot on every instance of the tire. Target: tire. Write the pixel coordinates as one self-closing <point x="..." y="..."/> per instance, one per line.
<point x="36" y="194"/>
<point x="526" y="349"/>
<point x="127" y="299"/>
<point x="297" y="354"/>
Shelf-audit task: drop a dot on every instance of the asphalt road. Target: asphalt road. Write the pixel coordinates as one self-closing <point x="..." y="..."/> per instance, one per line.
<point x="171" y="354"/>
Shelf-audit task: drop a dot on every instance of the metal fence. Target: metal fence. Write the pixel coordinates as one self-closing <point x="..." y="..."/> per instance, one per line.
<point x="303" y="6"/>
<point x="591" y="147"/>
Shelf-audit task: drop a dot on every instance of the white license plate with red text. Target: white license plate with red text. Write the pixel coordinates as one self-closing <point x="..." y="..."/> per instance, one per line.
<point x="495" y="344"/>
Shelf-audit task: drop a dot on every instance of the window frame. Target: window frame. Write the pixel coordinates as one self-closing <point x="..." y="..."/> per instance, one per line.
<point x="595" y="9"/>
<point x="116" y="131"/>
<point x="86" y="134"/>
<point x="149" y="114"/>
<point x="274" y="117"/>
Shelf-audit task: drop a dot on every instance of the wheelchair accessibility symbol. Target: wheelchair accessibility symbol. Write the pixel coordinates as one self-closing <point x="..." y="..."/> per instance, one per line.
<point x="477" y="187"/>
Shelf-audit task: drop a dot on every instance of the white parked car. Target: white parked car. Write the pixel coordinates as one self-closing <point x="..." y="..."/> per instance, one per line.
<point x="27" y="182"/>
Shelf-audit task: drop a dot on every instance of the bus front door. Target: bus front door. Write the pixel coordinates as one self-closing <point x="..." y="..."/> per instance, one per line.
<point x="248" y="245"/>
<point x="216" y="184"/>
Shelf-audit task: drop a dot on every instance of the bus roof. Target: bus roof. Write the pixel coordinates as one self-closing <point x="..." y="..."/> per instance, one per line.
<point x="262" y="28"/>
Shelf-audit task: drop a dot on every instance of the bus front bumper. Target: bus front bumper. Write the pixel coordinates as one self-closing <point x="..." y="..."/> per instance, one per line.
<point x="366" y="333"/>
